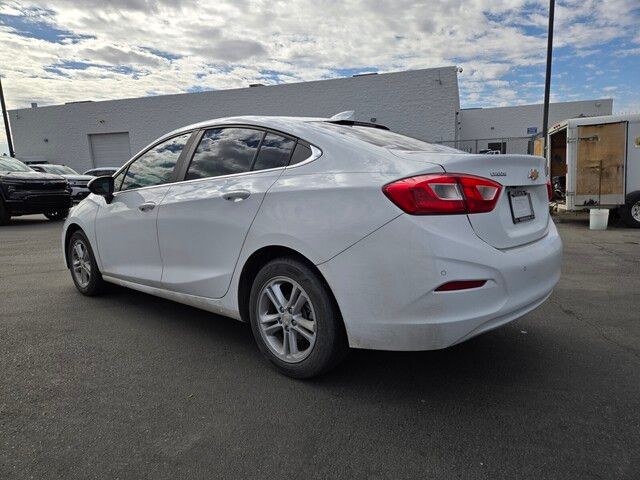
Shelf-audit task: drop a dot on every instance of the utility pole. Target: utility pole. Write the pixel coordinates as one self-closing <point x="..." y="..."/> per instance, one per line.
<point x="547" y="82"/>
<point x="5" y="118"/>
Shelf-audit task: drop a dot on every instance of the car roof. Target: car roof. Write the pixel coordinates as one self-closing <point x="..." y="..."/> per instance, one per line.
<point x="298" y="126"/>
<point x="258" y="120"/>
<point x="305" y="128"/>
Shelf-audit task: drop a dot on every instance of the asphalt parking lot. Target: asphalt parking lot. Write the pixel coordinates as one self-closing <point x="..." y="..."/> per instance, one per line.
<point x="131" y="386"/>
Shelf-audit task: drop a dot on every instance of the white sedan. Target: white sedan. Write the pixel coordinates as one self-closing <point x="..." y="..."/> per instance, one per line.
<point x="323" y="234"/>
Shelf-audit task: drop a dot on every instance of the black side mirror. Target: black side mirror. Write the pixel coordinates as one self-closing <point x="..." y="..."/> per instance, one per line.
<point x="102" y="186"/>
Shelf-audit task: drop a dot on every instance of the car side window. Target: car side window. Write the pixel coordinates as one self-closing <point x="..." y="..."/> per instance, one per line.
<point x="224" y="151"/>
<point x="156" y="166"/>
<point x="300" y="154"/>
<point x="275" y="152"/>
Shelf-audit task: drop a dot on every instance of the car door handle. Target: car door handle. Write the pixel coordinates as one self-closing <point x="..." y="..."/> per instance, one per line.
<point x="145" y="207"/>
<point x="236" y="196"/>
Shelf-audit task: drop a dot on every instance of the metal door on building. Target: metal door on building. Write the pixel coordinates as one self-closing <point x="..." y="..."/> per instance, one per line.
<point x="109" y="149"/>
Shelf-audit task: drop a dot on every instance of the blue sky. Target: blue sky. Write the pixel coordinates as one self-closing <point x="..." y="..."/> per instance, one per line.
<point x="64" y="50"/>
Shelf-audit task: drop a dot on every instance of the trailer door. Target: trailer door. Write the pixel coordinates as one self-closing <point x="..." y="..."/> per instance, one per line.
<point x="600" y="166"/>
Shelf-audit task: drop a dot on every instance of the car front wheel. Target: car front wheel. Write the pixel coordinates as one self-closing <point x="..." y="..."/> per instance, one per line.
<point x="294" y="319"/>
<point x="83" y="266"/>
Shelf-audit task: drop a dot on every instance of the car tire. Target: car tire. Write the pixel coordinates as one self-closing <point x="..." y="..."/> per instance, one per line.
<point x="58" y="215"/>
<point x="303" y="336"/>
<point x="5" y="218"/>
<point x="89" y="280"/>
<point x="630" y="211"/>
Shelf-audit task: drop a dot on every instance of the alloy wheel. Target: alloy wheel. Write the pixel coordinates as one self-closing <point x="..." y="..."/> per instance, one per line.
<point x="287" y="319"/>
<point x="81" y="263"/>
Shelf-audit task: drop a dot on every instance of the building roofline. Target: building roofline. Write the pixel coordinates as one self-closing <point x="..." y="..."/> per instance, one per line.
<point x="540" y="104"/>
<point x="358" y="78"/>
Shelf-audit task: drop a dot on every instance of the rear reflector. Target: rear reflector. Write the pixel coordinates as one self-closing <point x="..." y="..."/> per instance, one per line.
<point x="549" y="190"/>
<point x="444" y="194"/>
<point x="460" y="285"/>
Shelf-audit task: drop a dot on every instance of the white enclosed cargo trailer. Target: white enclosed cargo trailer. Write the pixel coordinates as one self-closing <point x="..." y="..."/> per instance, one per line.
<point x="597" y="162"/>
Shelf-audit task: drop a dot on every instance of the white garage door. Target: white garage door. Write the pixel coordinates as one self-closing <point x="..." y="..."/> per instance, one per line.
<point x="110" y="149"/>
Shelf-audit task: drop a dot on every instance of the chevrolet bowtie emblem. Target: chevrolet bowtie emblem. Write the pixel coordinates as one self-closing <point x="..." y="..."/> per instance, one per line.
<point x="533" y="174"/>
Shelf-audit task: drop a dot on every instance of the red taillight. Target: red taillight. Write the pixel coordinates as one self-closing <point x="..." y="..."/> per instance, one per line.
<point x="549" y="190"/>
<point x="460" y="285"/>
<point x="444" y="194"/>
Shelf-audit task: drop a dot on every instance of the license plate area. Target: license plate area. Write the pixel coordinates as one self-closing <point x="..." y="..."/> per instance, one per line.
<point x="521" y="206"/>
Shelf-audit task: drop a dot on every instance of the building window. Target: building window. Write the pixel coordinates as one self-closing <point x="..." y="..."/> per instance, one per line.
<point x="498" y="146"/>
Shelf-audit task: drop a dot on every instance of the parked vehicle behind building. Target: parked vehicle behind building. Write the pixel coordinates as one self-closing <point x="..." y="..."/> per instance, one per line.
<point x="597" y="159"/>
<point x="77" y="182"/>
<point x="23" y="191"/>
<point x="322" y="234"/>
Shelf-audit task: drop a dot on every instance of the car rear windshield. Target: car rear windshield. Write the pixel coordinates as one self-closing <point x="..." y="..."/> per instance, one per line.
<point x="386" y="139"/>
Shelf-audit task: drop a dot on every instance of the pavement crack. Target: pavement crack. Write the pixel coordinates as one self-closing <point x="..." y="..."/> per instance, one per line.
<point x="630" y="258"/>
<point x="593" y="325"/>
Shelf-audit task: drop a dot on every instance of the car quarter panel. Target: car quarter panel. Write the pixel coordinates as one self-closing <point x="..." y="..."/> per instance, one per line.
<point x="321" y="214"/>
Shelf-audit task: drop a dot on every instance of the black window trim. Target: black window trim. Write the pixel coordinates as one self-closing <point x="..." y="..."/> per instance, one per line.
<point x="255" y="155"/>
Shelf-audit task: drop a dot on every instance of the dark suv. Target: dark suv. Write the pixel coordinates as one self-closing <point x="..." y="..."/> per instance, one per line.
<point x="24" y="191"/>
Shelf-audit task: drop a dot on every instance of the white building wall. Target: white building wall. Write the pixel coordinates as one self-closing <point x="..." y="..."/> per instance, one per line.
<point x="419" y="103"/>
<point x="513" y="122"/>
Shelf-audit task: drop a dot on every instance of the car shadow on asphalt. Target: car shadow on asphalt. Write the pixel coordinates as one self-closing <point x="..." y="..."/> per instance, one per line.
<point x="504" y="357"/>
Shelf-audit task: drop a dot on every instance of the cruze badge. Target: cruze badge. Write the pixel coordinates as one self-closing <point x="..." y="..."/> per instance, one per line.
<point x="534" y="174"/>
<point x="498" y="174"/>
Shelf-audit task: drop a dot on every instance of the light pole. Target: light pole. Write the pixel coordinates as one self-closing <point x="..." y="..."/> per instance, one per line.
<point x="5" y="118"/>
<point x="547" y="82"/>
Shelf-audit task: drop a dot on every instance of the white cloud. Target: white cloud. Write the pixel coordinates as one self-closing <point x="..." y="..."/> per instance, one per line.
<point x="128" y="48"/>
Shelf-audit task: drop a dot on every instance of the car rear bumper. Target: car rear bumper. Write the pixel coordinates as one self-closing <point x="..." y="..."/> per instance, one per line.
<point x="385" y="284"/>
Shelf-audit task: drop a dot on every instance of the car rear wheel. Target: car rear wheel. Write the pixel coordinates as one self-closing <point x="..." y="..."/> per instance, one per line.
<point x="295" y="320"/>
<point x="630" y="212"/>
<point x="57" y="215"/>
<point x="5" y="218"/>
<point x="83" y="266"/>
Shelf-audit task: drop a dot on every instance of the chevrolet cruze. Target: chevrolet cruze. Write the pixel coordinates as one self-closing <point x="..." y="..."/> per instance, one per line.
<point x="323" y="234"/>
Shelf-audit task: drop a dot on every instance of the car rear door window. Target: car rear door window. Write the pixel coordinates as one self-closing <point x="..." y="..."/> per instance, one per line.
<point x="275" y="152"/>
<point x="156" y="166"/>
<point x="224" y="151"/>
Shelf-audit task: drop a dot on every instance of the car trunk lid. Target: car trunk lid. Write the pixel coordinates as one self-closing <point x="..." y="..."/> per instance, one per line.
<point x="521" y="214"/>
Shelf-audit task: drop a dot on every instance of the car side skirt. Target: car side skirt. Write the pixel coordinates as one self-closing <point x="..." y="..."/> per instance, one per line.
<point x="213" y="305"/>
